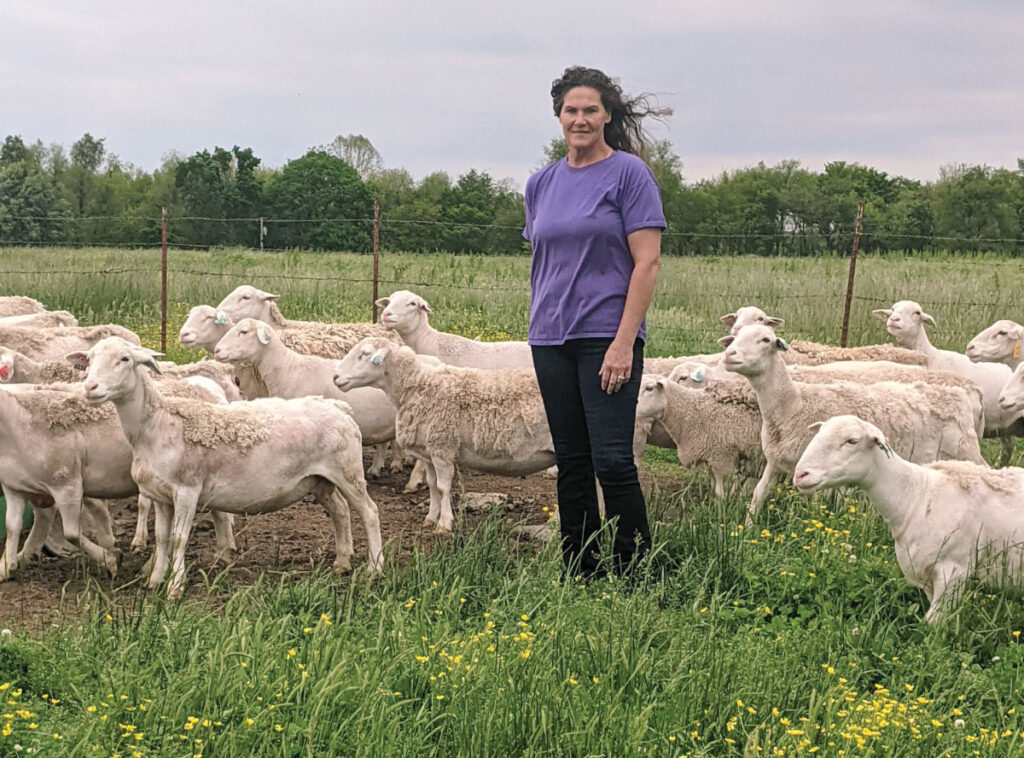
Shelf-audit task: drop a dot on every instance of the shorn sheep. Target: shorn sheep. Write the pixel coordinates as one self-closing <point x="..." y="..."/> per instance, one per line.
<point x="924" y="421"/>
<point x="44" y="320"/>
<point x="252" y="457"/>
<point x="54" y="343"/>
<point x="408" y="314"/>
<point x="490" y="421"/>
<point x="951" y="520"/>
<point x="19" y="305"/>
<point x="999" y="343"/>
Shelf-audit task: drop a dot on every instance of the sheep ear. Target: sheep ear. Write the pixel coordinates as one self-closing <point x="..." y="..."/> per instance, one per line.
<point x="728" y="319"/>
<point x="881" y="444"/>
<point x="383" y="302"/>
<point x="221" y="318"/>
<point x="265" y="295"/>
<point x="726" y="340"/>
<point x="781" y="344"/>
<point x="425" y="305"/>
<point x="378" y="357"/>
<point x="815" y="426"/>
<point x="79" y="359"/>
<point x="1015" y="332"/>
<point x="927" y="319"/>
<point x="263" y="334"/>
<point x="774" y="322"/>
<point x="882" y="313"/>
<point x="697" y="375"/>
<point x="145" y="357"/>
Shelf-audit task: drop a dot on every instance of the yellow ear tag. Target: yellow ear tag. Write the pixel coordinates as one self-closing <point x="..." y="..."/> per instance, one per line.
<point x="1016" y="350"/>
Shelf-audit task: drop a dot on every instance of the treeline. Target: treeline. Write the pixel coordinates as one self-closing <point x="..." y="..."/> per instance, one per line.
<point x="324" y="200"/>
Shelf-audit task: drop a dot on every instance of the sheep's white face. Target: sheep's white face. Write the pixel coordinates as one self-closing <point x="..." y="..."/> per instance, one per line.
<point x="904" y="320"/>
<point x="244" y="341"/>
<point x="750" y="351"/>
<point x="1011" y="398"/>
<point x="247" y="302"/>
<point x="652" y="401"/>
<point x="6" y="366"/>
<point x="203" y="328"/>
<point x="364" y="364"/>
<point x="844" y="451"/>
<point x="691" y="374"/>
<point x="110" y="368"/>
<point x="403" y="311"/>
<point x="998" y="343"/>
<point x="749" y="315"/>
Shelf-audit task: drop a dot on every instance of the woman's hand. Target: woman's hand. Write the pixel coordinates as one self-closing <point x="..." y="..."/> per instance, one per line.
<point x="617" y="366"/>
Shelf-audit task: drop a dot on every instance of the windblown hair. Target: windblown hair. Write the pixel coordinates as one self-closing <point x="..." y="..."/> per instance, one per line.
<point x="625" y="131"/>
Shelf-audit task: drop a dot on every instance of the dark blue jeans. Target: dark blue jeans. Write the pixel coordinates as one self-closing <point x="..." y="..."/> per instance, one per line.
<point x="593" y="435"/>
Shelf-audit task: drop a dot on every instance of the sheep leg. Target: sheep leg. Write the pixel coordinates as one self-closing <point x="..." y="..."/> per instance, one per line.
<point x="157" y="563"/>
<point x="141" y="536"/>
<point x="947" y="584"/>
<point x="337" y="508"/>
<point x="185" y="503"/>
<point x="1006" y="450"/>
<point x="377" y="464"/>
<point x="101" y="517"/>
<point x="42" y="523"/>
<point x="12" y="523"/>
<point x="70" y="506"/>
<point x="444" y="473"/>
<point x="354" y="492"/>
<point x="766" y="481"/>
<point x="417" y="478"/>
<point x="397" y="455"/>
<point x="224" y="529"/>
<point x="434" y="512"/>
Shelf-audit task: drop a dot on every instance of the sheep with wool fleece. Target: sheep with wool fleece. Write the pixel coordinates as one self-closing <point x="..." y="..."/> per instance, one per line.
<point x="19" y="305"/>
<point x="408" y="315"/>
<point x="55" y="343"/>
<point x="999" y="343"/>
<point x="252" y="457"/>
<point x="487" y="420"/>
<point x="906" y="320"/>
<point x="952" y="520"/>
<point x="43" y="320"/>
<point x="289" y="374"/>
<point x="923" y="421"/>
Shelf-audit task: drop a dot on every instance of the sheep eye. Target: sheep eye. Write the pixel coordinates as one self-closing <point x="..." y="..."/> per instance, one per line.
<point x="765" y="339"/>
<point x="851" y="441"/>
<point x="246" y="297"/>
<point x="1002" y="333"/>
<point x="124" y="359"/>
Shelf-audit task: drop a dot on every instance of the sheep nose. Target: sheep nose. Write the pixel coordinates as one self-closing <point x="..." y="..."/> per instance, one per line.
<point x="800" y="476"/>
<point x="90" y="387"/>
<point x="731" y="353"/>
<point x="217" y="353"/>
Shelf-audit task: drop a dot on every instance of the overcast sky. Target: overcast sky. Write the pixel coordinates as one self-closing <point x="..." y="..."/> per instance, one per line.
<point x="905" y="86"/>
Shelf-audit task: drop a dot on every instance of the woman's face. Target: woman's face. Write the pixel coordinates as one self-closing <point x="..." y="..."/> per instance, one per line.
<point x="583" y="117"/>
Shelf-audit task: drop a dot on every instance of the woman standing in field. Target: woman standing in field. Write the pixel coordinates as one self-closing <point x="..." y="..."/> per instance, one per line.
<point x="594" y="219"/>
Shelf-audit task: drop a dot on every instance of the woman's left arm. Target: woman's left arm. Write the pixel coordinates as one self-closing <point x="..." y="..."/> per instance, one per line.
<point x="645" y="247"/>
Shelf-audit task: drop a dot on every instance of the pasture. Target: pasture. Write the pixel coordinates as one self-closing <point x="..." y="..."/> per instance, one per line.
<point x="797" y="637"/>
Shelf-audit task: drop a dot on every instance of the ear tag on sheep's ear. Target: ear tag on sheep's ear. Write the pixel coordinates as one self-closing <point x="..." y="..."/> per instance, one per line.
<point x="5" y="372"/>
<point x="698" y="375"/>
<point x="781" y="344"/>
<point x="377" y="358"/>
<point x="263" y="335"/>
<point x="221" y="319"/>
<point x="1016" y="351"/>
<point x="885" y="449"/>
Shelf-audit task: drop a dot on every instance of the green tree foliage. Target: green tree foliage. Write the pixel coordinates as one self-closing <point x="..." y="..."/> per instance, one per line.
<point x="358" y="152"/>
<point x="31" y="210"/>
<point x="322" y="203"/>
<point x="218" y="190"/>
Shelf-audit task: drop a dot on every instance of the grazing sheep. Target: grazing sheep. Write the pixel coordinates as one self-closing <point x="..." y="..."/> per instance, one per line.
<point x="491" y="421"/>
<point x="924" y="421"/>
<point x="289" y="374"/>
<point x="54" y="343"/>
<point x="905" y="321"/>
<point x="406" y="313"/>
<point x="999" y="343"/>
<point x="951" y="520"/>
<point x="46" y="319"/>
<point x="718" y="426"/>
<point x="19" y="305"/>
<point x="252" y="457"/>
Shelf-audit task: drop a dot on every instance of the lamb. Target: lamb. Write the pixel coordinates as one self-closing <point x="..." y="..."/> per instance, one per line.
<point x="951" y="520"/>
<point x="406" y="313"/>
<point x="906" y="320"/>
<point x="46" y="319"/>
<point x="54" y="343"/>
<point x="999" y="343"/>
<point x="924" y="421"/>
<point x="491" y="421"/>
<point x="19" y="305"/>
<point x="718" y="426"/>
<point x="252" y="457"/>
<point x="289" y="374"/>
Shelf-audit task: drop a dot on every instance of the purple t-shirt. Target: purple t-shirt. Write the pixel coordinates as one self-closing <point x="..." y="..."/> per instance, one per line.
<point x="577" y="220"/>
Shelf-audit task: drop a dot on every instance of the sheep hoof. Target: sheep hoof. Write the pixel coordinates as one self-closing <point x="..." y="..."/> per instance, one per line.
<point x="174" y="593"/>
<point x="375" y="472"/>
<point x="111" y="561"/>
<point x="224" y="557"/>
<point x="396" y="467"/>
<point x="342" y="566"/>
<point x="442" y="529"/>
<point x="412" y="489"/>
<point x="138" y="546"/>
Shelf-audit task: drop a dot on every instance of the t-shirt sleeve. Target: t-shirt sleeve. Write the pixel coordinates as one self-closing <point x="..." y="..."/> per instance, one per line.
<point x="528" y="211"/>
<point x="641" y="200"/>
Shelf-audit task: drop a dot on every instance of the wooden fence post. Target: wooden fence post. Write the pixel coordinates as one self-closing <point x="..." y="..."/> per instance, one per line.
<point x="853" y="267"/>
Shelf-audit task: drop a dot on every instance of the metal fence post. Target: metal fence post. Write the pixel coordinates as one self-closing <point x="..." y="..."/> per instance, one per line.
<point x="853" y="267"/>
<point x="376" y="237"/>
<point x="163" y="280"/>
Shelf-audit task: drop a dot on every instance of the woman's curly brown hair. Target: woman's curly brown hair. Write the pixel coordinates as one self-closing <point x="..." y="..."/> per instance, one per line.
<point x="625" y="131"/>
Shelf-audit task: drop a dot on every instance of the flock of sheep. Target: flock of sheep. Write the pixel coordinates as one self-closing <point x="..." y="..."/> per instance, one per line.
<point x="284" y="407"/>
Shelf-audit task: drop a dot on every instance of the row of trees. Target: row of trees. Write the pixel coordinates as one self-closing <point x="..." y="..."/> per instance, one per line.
<point x="324" y="200"/>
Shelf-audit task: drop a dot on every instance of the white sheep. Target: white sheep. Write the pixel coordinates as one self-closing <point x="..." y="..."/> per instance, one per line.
<point x="18" y="305"/>
<point x="1011" y="397"/>
<point x="926" y="422"/>
<point x="252" y="457"/>
<point x="45" y="319"/>
<point x="407" y="314"/>
<point x="951" y="520"/>
<point x="999" y="343"/>
<point x="289" y="374"/>
<point x="905" y="321"/>
<point x="54" y="343"/>
<point x="490" y="421"/>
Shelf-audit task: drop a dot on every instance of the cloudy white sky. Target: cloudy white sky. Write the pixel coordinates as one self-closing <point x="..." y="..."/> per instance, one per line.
<point x="902" y="85"/>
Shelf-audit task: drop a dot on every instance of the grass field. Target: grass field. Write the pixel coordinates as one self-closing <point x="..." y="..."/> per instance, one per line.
<point x="798" y="637"/>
